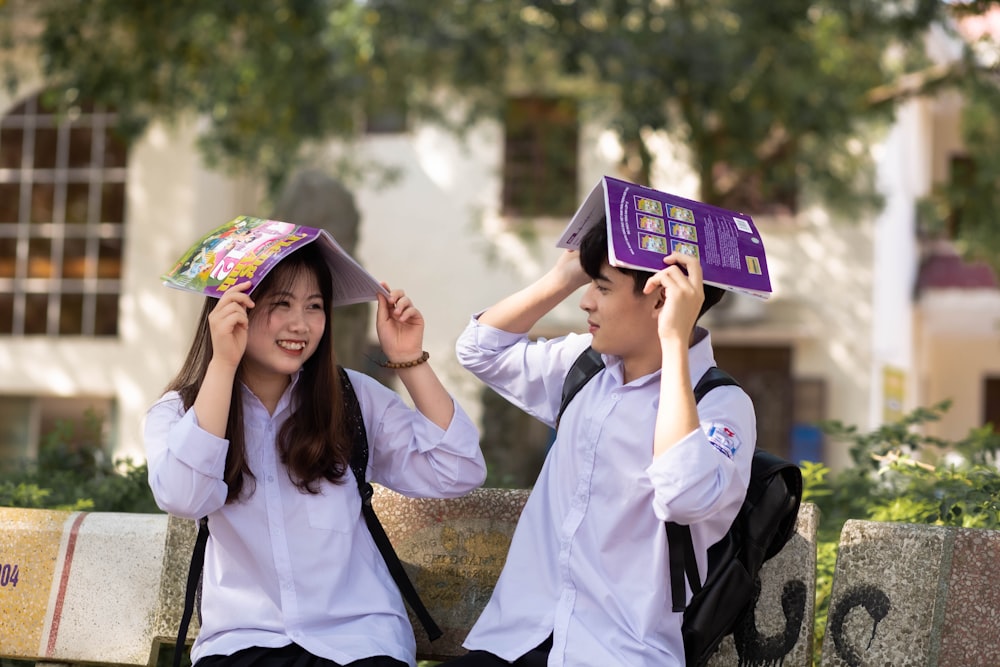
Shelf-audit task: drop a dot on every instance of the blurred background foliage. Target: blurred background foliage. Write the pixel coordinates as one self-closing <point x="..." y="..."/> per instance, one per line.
<point x="73" y="472"/>
<point x="775" y="102"/>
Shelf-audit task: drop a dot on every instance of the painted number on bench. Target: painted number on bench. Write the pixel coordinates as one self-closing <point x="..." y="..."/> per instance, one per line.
<point x="8" y="575"/>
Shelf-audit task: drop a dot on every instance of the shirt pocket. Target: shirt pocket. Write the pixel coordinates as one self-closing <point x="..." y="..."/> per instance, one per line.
<point x="335" y="508"/>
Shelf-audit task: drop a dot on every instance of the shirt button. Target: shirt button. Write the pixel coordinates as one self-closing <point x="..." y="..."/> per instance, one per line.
<point x="270" y="478"/>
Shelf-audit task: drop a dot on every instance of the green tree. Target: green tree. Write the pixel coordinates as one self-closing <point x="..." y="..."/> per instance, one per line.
<point x="775" y="101"/>
<point x="767" y="95"/>
<point x="965" y="207"/>
<point x="770" y="98"/>
<point x="269" y="77"/>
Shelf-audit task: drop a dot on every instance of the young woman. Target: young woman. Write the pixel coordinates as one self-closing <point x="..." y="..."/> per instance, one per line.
<point x="253" y="434"/>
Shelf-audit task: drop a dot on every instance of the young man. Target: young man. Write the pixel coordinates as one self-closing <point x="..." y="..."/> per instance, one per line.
<point x="586" y="582"/>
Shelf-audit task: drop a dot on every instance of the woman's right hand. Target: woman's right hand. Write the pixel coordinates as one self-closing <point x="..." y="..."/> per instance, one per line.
<point x="229" y="324"/>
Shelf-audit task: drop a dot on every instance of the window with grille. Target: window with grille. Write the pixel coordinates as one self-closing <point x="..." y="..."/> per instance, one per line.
<point x="62" y="215"/>
<point x="962" y="175"/>
<point x="540" y="157"/>
<point x="991" y="402"/>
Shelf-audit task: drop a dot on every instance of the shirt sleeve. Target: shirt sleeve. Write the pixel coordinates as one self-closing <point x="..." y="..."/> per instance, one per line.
<point x="186" y="463"/>
<point x="705" y="475"/>
<point x="528" y="374"/>
<point x="412" y="455"/>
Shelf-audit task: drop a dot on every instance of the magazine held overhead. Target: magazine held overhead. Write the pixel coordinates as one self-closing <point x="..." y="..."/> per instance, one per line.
<point x="247" y="248"/>
<point x="645" y="225"/>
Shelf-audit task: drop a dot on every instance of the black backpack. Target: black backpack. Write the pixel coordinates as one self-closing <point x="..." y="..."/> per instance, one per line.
<point x="766" y="521"/>
<point x="359" y="464"/>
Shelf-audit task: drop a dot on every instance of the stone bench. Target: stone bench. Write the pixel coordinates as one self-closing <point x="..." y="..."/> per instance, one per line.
<point x="108" y="587"/>
<point x="81" y="587"/>
<point x="908" y="594"/>
<point x="454" y="550"/>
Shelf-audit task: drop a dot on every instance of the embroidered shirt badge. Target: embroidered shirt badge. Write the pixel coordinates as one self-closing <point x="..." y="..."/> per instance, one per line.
<point x="723" y="438"/>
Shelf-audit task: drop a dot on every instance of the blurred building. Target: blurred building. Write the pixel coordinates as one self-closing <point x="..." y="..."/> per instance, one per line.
<point x="866" y="321"/>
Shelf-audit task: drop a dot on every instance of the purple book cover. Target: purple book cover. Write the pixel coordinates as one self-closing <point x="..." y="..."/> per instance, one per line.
<point x="645" y="224"/>
<point x="247" y="248"/>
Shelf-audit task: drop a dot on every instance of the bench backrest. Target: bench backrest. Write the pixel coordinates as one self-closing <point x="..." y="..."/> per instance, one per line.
<point x="109" y="587"/>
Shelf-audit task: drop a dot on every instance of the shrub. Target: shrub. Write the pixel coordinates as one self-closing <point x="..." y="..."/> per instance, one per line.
<point x="73" y="472"/>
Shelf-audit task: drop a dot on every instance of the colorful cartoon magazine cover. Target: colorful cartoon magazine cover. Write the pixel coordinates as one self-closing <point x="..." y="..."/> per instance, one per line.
<point x="247" y="248"/>
<point x="645" y="224"/>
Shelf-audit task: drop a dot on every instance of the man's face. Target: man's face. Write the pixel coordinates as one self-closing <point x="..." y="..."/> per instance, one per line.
<point x="622" y="321"/>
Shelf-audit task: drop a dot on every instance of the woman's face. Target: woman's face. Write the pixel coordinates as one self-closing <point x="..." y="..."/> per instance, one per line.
<point x="285" y="330"/>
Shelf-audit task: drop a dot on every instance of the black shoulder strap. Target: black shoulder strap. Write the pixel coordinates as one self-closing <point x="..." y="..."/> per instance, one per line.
<point x="586" y="366"/>
<point x="359" y="464"/>
<point x="194" y="575"/>
<point x="679" y="544"/>
<point x="713" y="377"/>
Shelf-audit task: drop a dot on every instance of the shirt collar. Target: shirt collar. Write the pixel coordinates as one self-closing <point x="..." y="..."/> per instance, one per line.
<point x="283" y="403"/>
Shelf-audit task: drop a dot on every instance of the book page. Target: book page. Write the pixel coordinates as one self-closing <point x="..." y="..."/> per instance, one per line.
<point x="351" y="282"/>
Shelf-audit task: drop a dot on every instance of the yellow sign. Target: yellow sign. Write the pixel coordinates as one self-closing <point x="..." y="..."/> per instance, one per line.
<point x="893" y="393"/>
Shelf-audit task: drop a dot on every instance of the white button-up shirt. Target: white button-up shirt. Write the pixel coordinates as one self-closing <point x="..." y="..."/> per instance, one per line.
<point x="285" y="566"/>
<point x="589" y="560"/>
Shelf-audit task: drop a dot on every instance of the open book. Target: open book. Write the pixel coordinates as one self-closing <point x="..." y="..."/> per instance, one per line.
<point x="644" y="225"/>
<point x="247" y="248"/>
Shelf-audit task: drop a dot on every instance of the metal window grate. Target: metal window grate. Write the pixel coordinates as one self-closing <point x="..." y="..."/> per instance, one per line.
<point x="540" y="157"/>
<point x="62" y="215"/>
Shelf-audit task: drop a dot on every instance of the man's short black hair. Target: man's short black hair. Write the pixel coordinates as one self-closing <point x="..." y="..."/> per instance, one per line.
<point x="594" y="254"/>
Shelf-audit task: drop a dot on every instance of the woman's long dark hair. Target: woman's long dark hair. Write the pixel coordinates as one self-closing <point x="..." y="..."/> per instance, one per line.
<point x="313" y="442"/>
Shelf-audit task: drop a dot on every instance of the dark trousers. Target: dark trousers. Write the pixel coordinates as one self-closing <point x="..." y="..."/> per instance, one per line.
<point x="536" y="657"/>
<point x="292" y="655"/>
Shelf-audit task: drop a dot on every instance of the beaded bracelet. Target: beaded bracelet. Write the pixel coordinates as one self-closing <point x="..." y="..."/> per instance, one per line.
<point x="406" y="364"/>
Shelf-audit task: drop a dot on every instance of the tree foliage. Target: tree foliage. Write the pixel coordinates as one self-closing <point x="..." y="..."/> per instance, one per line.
<point x="72" y="472"/>
<point x="901" y="475"/>
<point x="267" y="77"/>
<point x="768" y="96"/>
<point x="774" y="102"/>
<point x="965" y="206"/>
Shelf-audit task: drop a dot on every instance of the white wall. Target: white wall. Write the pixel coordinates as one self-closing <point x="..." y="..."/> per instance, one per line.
<point x="438" y="234"/>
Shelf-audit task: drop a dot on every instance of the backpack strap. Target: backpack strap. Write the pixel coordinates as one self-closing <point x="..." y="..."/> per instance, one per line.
<point x="586" y="366"/>
<point x="679" y="544"/>
<point x="769" y="469"/>
<point x="359" y="464"/>
<point x="193" y="579"/>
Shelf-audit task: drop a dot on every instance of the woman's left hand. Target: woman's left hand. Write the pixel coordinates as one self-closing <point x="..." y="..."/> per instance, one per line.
<point x="400" y="326"/>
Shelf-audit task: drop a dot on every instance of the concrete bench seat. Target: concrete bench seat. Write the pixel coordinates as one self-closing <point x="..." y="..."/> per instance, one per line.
<point x="109" y="588"/>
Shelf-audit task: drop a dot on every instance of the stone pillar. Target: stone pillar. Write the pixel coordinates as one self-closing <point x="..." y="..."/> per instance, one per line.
<point x="915" y="595"/>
